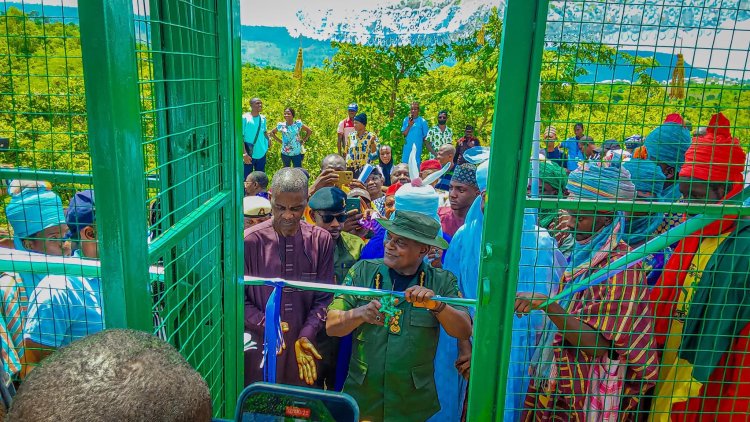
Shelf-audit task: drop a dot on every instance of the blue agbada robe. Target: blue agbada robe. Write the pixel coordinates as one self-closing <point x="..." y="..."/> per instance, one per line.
<point x="538" y="272"/>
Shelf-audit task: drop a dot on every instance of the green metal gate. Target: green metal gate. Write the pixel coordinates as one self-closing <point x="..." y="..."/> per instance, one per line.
<point x="179" y="107"/>
<point x="161" y="107"/>
<point x="158" y="140"/>
<point x="536" y="53"/>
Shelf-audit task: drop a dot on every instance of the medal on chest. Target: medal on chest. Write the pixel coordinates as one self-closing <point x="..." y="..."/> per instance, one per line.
<point x="393" y="324"/>
<point x="389" y="306"/>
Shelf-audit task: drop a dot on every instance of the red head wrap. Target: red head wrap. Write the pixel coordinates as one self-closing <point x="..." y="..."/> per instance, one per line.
<point x="716" y="156"/>
<point x="674" y="118"/>
<point x="393" y="188"/>
<point x="430" y="165"/>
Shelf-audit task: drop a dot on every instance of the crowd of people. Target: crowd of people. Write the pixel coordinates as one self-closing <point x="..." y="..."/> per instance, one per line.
<point x="628" y="346"/>
<point x="665" y="338"/>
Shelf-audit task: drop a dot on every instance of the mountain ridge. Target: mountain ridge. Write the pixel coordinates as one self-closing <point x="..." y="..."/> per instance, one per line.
<point x="268" y="46"/>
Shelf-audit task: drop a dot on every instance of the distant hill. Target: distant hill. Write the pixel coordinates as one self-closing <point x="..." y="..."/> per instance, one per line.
<point x="54" y="13"/>
<point x="625" y="72"/>
<point x="274" y="47"/>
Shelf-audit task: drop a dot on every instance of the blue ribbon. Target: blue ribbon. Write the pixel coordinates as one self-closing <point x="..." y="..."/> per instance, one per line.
<point x="273" y="337"/>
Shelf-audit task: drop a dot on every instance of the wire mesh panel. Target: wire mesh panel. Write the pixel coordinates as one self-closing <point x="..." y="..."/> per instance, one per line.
<point x="638" y="309"/>
<point x="44" y="161"/>
<point x="190" y="183"/>
<point x="159" y="97"/>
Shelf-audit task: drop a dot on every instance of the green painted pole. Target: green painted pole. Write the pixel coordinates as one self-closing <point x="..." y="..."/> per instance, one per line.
<point x="56" y="176"/>
<point x="230" y="87"/>
<point x="115" y="143"/>
<point x="512" y="134"/>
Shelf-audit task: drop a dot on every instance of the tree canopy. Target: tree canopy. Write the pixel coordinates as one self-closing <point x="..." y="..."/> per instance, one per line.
<point x="43" y="99"/>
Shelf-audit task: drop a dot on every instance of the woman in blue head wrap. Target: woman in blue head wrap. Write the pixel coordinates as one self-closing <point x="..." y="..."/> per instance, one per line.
<point x="38" y="222"/>
<point x="536" y="273"/>
<point x="649" y="183"/>
<point x="666" y="145"/>
<point x="36" y="216"/>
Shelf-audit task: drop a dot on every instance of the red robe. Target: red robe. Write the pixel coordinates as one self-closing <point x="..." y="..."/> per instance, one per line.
<point x="726" y="397"/>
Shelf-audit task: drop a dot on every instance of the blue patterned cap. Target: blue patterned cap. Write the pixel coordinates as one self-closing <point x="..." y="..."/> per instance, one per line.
<point x="600" y="182"/>
<point x="466" y="173"/>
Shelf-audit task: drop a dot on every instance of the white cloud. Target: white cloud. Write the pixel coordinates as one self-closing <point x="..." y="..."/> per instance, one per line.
<point x="284" y="12"/>
<point x="721" y="45"/>
<point x="724" y="50"/>
<point x="66" y="3"/>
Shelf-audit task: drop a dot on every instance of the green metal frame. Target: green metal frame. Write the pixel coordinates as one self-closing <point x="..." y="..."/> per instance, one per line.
<point x="201" y="208"/>
<point x="57" y="176"/>
<point x="191" y="226"/>
<point x="112" y="105"/>
<point x="230" y="78"/>
<point x="512" y="130"/>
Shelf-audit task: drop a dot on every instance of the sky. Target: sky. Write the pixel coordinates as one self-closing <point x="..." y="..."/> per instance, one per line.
<point x="721" y="45"/>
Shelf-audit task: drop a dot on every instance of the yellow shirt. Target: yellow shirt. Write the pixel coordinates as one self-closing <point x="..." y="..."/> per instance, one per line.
<point x="676" y="383"/>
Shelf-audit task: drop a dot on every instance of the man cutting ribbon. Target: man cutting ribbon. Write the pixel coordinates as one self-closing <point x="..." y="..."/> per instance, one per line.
<point x="391" y="372"/>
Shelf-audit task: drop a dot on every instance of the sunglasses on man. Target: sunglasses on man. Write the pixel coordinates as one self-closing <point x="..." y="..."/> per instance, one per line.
<point x="328" y="218"/>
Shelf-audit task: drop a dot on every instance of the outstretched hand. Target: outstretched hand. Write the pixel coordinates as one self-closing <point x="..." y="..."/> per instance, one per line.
<point x="527" y="302"/>
<point x="306" y="355"/>
<point x="371" y="314"/>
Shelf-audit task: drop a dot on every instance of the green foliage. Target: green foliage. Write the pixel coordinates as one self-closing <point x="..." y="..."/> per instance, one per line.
<point x="319" y="100"/>
<point x="44" y="113"/>
<point x="376" y="73"/>
<point x="379" y="78"/>
<point x="42" y="102"/>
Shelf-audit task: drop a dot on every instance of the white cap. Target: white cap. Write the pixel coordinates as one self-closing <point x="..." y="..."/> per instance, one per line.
<point x="256" y="206"/>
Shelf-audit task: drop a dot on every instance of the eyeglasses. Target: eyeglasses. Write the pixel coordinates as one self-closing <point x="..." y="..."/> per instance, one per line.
<point x="258" y="216"/>
<point x="328" y="218"/>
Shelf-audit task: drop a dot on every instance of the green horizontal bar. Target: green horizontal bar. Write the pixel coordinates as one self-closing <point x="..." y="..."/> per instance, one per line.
<point x="657" y="244"/>
<point x="186" y="225"/>
<point x="27" y="262"/>
<point x="349" y="290"/>
<point x="637" y="206"/>
<point x="24" y="262"/>
<point x="654" y="245"/>
<point x="57" y="176"/>
<point x="52" y="176"/>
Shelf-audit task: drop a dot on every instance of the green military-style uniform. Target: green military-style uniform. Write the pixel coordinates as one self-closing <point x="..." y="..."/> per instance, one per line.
<point x="347" y="252"/>
<point x="348" y="249"/>
<point x="391" y="372"/>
